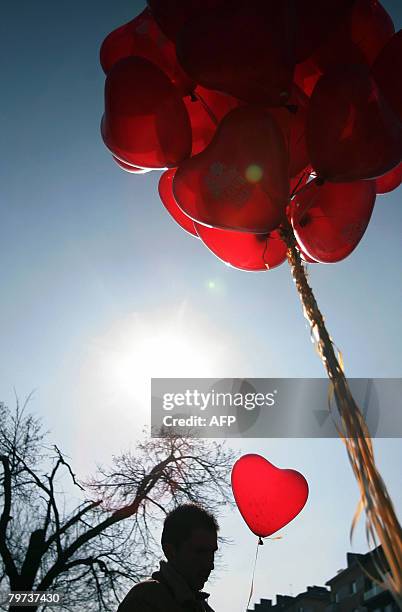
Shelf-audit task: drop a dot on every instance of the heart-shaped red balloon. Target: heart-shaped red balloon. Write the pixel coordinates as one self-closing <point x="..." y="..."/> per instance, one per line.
<point x="268" y="497"/>
<point x="330" y="220"/>
<point x="166" y="195"/>
<point x="352" y="133"/>
<point x="315" y="21"/>
<point x="172" y="15"/>
<point x="385" y="71"/>
<point x="359" y="37"/>
<point x="292" y="121"/>
<point x="250" y="252"/>
<point x="141" y="36"/>
<point x="145" y="122"/>
<point x="242" y="48"/>
<point x="240" y="181"/>
<point x="206" y="108"/>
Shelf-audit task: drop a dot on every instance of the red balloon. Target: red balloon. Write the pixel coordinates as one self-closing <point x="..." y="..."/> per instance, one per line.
<point x="239" y="181"/>
<point x="129" y="167"/>
<point x="142" y="37"/>
<point x="370" y="28"/>
<point x="243" y="49"/>
<point x="268" y="497"/>
<point x="387" y="71"/>
<point x="306" y="76"/>
<point x="390" y="181"/>
<point x="172" y="15"/>
<point x="206" y="108"/>
<point x="315" y="21"/>
<point x="250" y="252"/>
<point x="351" y="132"/>
<point x="358" y="39"/>
<point x="169" y="202"/>
<point x="329" y="220"/>
<point x="145" y="122"/>
<point x="292" y="121"/>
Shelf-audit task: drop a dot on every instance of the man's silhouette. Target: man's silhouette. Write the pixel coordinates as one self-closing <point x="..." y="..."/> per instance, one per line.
<point x="189" y="542"/>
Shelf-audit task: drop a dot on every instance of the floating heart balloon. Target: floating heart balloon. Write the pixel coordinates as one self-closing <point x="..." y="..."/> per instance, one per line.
<point x="315" y="21"/>
<point x="329" y="220"/>
<point x="239" y="181"/>
<point x="145" y="122"/>
<point x="142" y="37"/>
<point x="206" y="108"/>
<point x="390" y="181"/>
<point x="251" y="252"/>
<point x="352" y="133"/>
<point x="243" y="49"/>
<point x="358" y="39"/>
<point x="172" y="15"/>
<point x="292" y="121"/>
<point x="385" y="71"/>
<point x="370" y="27"/>
<point x="268" y="497"/>
<point x="169" y="202"/>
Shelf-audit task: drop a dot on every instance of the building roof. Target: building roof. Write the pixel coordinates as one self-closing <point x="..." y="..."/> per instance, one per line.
<point x="354" y="559"/>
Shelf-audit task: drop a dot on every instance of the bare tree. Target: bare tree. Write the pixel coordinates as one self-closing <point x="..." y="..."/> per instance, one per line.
<point x="90" y="550"/>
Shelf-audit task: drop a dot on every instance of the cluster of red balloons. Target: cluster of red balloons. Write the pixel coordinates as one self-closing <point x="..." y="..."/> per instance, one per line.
<point x="261" y="113"/>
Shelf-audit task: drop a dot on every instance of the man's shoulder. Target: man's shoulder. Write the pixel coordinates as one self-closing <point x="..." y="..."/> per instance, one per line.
<point x="149" y="592"/>
<point x="148" y="585"/>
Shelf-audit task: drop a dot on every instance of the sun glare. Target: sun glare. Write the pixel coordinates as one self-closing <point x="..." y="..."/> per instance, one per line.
<point x="160" y="354"/>
<point x="121" y="362"/>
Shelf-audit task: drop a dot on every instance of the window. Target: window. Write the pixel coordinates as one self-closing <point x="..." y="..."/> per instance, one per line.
<point x="353" y="587"/>
<point x="336" y="597"/>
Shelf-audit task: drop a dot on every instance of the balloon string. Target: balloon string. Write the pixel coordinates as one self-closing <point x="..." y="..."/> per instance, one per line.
<point x="375" y="500"/>
<point x="259" y="543"/>
<point x="317" y="181"/>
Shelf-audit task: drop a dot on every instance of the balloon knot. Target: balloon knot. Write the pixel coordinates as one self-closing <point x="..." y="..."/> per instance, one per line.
<point x="260" y="542"/>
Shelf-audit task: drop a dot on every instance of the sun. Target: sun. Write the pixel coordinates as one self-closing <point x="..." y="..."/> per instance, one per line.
<point x="152" y="351"/>
<point x="180" y="343"/>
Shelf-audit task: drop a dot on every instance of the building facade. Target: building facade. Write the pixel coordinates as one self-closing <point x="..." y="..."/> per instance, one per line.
<point x="352" y="589"/>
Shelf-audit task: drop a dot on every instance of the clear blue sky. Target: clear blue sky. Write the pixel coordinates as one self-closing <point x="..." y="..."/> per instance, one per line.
<point x="93" y="270"/>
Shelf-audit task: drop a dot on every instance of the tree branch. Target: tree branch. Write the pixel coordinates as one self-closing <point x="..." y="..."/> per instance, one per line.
<point x="4" y="520"/>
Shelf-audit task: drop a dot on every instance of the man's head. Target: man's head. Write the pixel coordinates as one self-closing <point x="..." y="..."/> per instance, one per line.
<point x="189" y="541"/>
